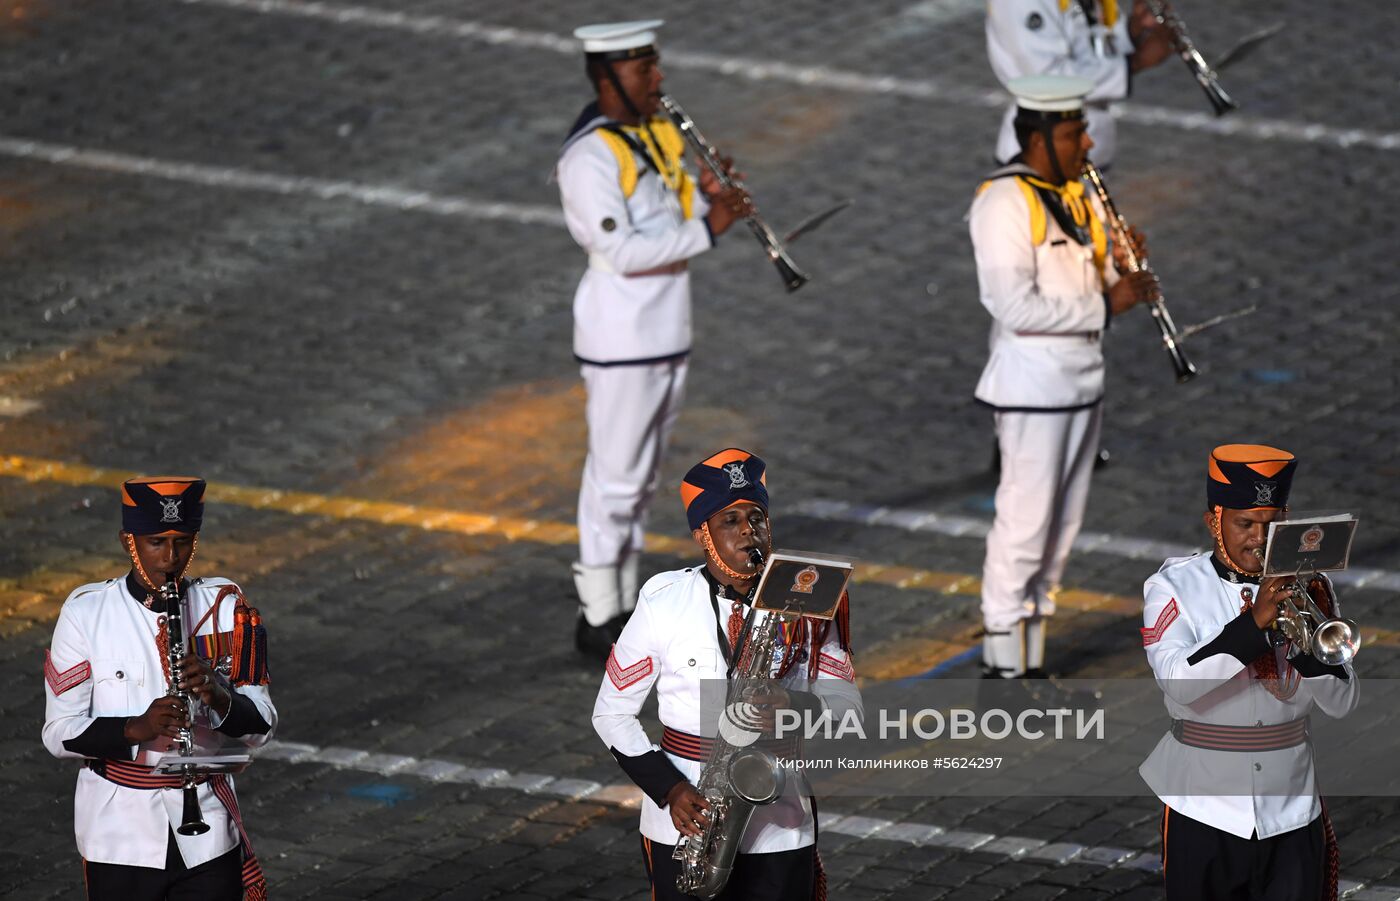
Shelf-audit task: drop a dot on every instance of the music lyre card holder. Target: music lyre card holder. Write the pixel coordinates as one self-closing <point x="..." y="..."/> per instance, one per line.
<point x="1309" y="544"/>
<point x="803" y="582"/>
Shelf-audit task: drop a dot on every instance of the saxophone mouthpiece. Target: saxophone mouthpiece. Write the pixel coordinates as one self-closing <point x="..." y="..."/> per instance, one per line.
<point x="756" y="558"/>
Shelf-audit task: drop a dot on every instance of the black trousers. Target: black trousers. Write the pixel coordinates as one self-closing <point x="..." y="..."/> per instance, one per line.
<point x="1202" y="863"/>
<point x="779" y="876"/>
<point x="220" y="879"/>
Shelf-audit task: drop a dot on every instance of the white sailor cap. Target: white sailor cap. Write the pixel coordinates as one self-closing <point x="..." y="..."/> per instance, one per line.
<point x="1050" y="93"/>
<point x="620" y="40"/>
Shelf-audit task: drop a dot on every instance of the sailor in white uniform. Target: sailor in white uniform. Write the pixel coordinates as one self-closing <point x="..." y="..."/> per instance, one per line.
<point x="683" y="633"/>
<point x="1092" y="39"/>
<point x="1047" y="274"/>
<point x="106" y="677"/>
<point x="637" y="212"/>
<point x="1242" y="818"/>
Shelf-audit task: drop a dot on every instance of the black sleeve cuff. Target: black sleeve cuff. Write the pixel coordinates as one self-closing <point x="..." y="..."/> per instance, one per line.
<point x="709" y="231"/>
<point x="1309" y="666"/>
<point x="653" y="772"/>
<point x="243" y="718"/>
<point x="1107" y="312"/>
<point x="1240" y="638"/>
<point x="102" y="740"/>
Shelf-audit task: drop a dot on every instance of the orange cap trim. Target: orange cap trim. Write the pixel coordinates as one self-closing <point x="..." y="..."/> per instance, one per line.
<point x="1216" y="474"/>
<point x="1270" y="468"/>
<point x="689" y="493"/>
<point x="1249" y="453"/>
<point x="728" y="455"/>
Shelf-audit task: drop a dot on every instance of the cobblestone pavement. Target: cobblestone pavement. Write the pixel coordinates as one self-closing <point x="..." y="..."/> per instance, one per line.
<point x="239" y="294"/>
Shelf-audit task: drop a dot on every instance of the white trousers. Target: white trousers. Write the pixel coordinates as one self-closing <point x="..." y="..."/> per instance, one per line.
<point x="631" y="411"/>
<point x="1046" y="462"/>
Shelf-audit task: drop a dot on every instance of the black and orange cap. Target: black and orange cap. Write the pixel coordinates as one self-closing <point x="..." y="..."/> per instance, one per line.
<point x="162" y="505"/>
<point x="1249" y="477"/>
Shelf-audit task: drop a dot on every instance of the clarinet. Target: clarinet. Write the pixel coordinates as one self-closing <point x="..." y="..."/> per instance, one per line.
<point x="193" y="821"/>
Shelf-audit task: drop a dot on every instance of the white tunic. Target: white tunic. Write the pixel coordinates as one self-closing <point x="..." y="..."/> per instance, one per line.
<point x="1062" y="43"/>
<point x="1052" y="289"/>
<point x="115" y="635"/>
<point x="1187" y="604"/>
<point x="620" y="318"/>
<point x="671" y="643"/>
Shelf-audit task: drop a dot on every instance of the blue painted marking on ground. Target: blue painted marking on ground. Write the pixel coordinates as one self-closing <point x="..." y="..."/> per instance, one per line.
<point x="382" y="792"/>
<point x="950" y="663"/>
<point x="982" y="503"/>
<point x="1271" y="376"/>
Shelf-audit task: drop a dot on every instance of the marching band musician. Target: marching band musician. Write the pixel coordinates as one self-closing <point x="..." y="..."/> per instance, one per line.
<point x="1242" y="816"/>
<point x="683" y="631"/>
<point x="107" y="677"/>
<point x="1093" y="39"/>
<point x="1046" y="275"/>
<point x="631" y="204"/>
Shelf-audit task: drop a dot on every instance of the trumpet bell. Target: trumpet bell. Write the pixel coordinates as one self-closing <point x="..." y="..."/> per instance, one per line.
<point x="1336" y="641"/>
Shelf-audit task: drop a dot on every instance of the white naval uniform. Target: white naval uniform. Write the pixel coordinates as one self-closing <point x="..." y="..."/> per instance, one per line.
<point x="1063" y="43"/>
<point x="102" y="626"/>
<point x="1186" y="606"/>
<point x="631" y="334"/>
<point x="1044" y="379"/>
<point x="671" y="642"/>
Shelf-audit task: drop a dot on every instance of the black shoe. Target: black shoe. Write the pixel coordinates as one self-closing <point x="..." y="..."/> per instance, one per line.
<point x="594" y="642"/>
<point x="1102" y="459"/>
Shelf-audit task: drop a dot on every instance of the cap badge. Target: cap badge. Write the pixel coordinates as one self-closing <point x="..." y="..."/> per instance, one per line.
<point x="737" y="477"/>
<point x="170" y="509"/>
<point x="1264" y="493"/>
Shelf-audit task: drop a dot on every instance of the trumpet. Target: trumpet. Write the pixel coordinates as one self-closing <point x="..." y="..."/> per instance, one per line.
<point x="1331" y="639"/>
<point x="793" y="277"/>
<point x="1186" y="48"/>
<point x="193" y="821"/>
<point x="1171" y="337"/>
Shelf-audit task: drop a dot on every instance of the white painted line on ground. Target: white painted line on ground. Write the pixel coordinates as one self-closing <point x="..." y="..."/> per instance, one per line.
<point x="1145" y="549"/>
<point x="291" y="185"/>
<point x="1011" y="847"/>
<point x="1282" y="130"/>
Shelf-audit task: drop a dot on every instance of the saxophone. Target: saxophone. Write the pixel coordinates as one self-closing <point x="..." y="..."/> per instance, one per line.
<point x="738" y="777"/>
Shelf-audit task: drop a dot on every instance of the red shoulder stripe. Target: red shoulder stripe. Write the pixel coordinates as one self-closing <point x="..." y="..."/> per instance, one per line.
<point x="841" y="669"/>
<point x="1164" y="620"/>
<point x="625" y="677"/>
<point x="69" y="678"/>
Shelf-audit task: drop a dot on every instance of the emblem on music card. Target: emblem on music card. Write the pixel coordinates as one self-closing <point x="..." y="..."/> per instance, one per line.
<point x="805" y="579"/>
<point x="1311" y="540"/>
<point x="1264" y="493"/>
<point x="170" y="509"/>
<point x="1034" y="21"/>
<point x="737" y="477"/>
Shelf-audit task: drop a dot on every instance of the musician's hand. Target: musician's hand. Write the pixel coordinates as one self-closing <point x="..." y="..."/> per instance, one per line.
<point x="197" y="678"/>
<point x="688" y="809"/>
<point x="770" y="700"/>
<point x="709" y="182"/>
<point x="727" y="207"/>
<point x="1152" y="42"/>
<point x="1132" y="289"/>
<point x="1271" y="593"/>
<point x="1120" y="251"/>
<point x="165" y="716"/>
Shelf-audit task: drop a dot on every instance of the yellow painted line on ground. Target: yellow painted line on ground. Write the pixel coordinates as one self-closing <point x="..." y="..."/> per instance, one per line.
<point x="468" y="523"/>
